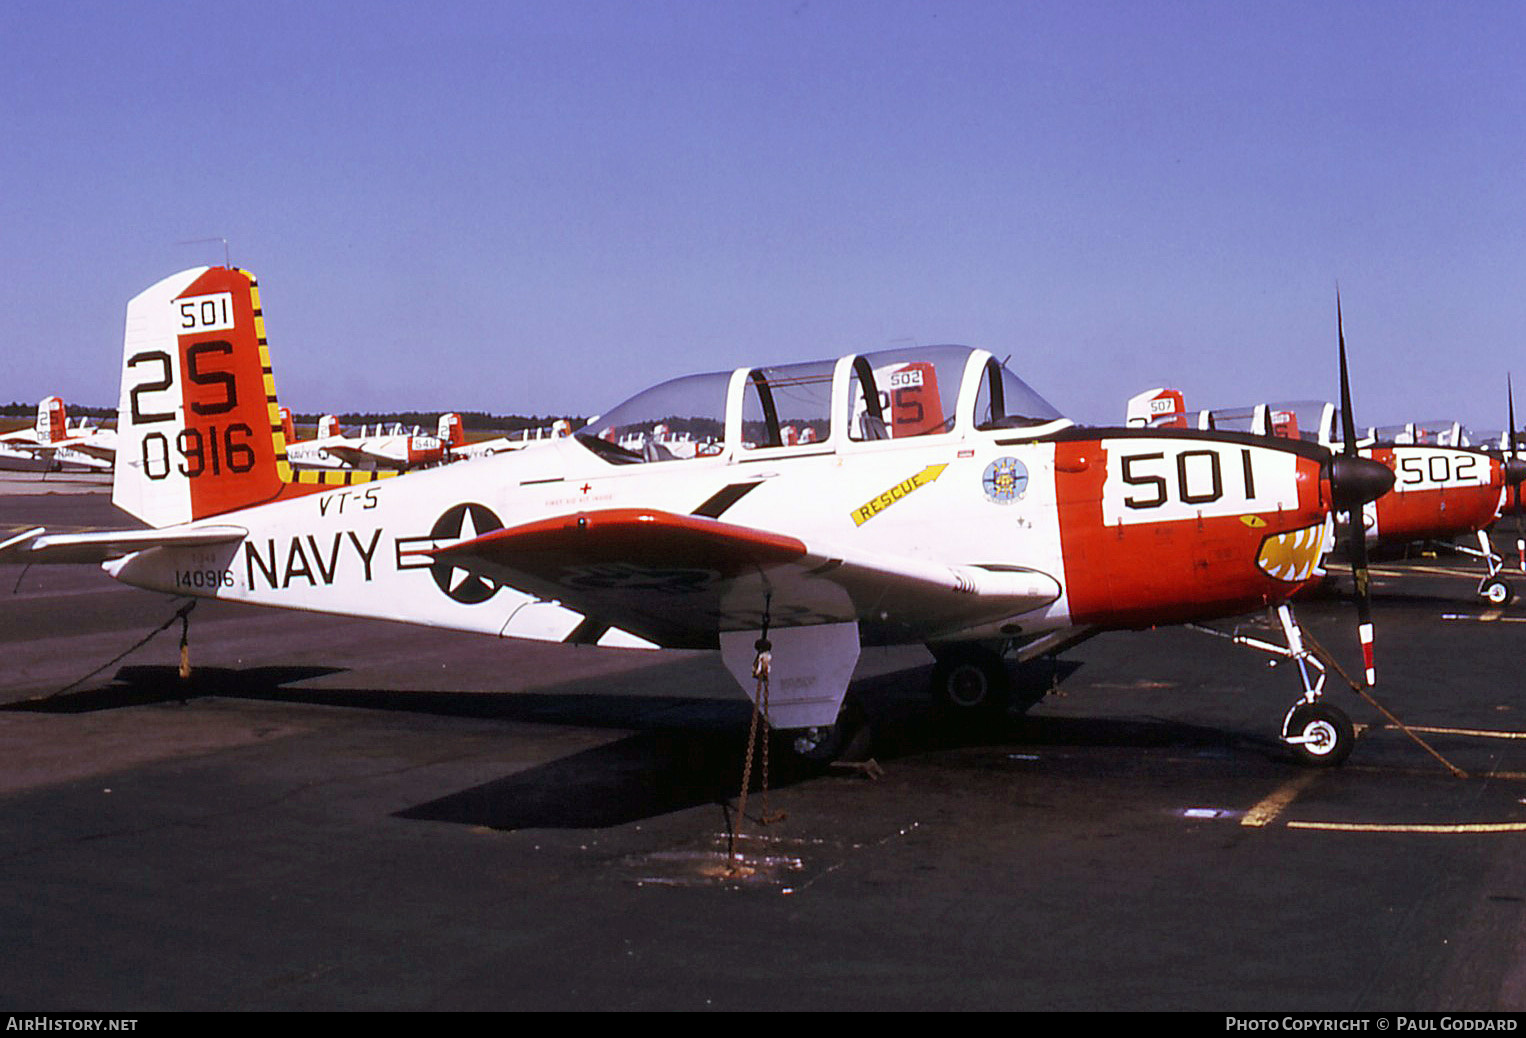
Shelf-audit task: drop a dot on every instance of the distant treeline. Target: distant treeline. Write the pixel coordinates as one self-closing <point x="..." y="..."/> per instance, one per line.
<point x="15" y="410"/>
<point x="474" y="421"/>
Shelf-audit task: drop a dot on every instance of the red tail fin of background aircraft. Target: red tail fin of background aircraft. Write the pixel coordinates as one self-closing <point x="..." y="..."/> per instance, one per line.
<point x="1157" y="409"/>
<point x="915" y="406"/>
<point x="52" y="421"/>
<point x="451" y="431"/>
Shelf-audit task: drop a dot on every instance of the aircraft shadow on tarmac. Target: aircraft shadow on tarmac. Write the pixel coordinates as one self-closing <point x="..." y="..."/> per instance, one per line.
<point x="144" y="686"/>
<point x="653" y="773"/>
<point x="683" y="751"/>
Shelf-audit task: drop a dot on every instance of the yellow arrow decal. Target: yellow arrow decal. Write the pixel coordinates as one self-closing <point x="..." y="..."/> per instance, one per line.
<point x="875" y="506"/>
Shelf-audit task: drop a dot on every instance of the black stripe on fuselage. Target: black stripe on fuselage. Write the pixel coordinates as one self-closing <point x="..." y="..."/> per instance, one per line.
<point x="724" y="498"/>
<point x="1080" y="432"/>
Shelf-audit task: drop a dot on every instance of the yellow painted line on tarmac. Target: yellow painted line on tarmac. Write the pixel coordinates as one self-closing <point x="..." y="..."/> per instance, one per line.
<point x="1482" y="733"/>
<point x="1493" y="616"/>
<point x="1438" y="571"/>
<point x="1268" y="809"/>
<point x="1428" y="828"/>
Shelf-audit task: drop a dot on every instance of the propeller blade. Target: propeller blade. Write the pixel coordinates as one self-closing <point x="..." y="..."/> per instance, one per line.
<point x="1356" y="535"/>
<point x="1520" y="534"/>
<point x="1357" y="555"/>
<point x="1348" y="423"/>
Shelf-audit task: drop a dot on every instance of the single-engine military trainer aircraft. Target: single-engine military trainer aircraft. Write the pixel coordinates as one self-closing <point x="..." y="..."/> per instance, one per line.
<point x="922" y="495"/>
<point x="52" y="444"/>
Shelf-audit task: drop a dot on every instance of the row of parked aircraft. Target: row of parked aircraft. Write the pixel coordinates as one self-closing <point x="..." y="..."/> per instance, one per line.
<point x="785" y="516"/>
<point x="1450" y="483"/>
<point x="53" y="445"/>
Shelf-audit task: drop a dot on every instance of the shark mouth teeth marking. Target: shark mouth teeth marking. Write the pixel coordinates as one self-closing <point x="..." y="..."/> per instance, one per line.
<point x="1293" y="556"/>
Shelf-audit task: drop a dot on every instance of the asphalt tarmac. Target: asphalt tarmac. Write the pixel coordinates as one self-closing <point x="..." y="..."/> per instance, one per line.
<point x="337" y="814"/>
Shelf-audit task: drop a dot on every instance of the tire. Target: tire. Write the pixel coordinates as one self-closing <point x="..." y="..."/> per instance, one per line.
<point x="1496" y="592"/>
<point x="1329" y="730"/>
<point x="972" y="681"/>
<point x="847" y="739"/>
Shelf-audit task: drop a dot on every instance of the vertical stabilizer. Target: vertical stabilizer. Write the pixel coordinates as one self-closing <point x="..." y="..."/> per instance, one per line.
<point x="915" y="406"/>
<point x="451" y="430"/>
<point x="1156" y="409"/>
<point x="199" y="428"/>
<point x="52" y="421"/>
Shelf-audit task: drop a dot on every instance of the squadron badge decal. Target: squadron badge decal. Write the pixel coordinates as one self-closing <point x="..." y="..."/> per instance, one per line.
<point x="1005" y="481"/>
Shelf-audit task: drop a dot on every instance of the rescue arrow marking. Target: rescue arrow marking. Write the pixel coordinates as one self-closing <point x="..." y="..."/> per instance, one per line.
<point x="875" y="506"/>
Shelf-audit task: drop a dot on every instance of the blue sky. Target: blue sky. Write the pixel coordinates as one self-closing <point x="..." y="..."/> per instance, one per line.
<point x="544" y="207"/>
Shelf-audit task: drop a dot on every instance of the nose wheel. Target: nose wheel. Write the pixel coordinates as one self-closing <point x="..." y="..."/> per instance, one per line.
<point x="1496" y="592"/>
<point x="1492" y="588"/>
<point x="1320" y="735"/>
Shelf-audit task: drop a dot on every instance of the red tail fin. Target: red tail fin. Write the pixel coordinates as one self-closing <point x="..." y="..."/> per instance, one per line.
<point x="52" y="421"/>
<point x="200" y="430"/>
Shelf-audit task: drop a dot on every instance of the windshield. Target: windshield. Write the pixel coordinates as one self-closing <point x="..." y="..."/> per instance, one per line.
<point x="1006" y="401"/>
<point x="677" y="420"/>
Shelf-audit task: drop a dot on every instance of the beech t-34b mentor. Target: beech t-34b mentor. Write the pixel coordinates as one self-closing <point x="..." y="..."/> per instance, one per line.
<point x="52" y="444"/>
<point x="923" y="495"/>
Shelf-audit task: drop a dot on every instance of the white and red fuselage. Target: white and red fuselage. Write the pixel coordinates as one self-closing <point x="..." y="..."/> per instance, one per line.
<point x="923" y="495"/>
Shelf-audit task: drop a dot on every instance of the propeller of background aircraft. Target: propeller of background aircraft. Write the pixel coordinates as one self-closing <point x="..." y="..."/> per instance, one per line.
<point x="1515" y="472"/>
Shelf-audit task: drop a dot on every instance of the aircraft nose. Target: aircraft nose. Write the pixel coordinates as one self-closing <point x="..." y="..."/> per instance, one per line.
<point x="1355" y="481"/>
<point x="1515" y="471"/>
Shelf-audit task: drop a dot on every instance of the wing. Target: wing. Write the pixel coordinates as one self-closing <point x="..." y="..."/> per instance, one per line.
<point x="99" y="451"/>
<point x="679" y="580"/>
<point x="32" y="447"/>
<point x="356" y="457"/>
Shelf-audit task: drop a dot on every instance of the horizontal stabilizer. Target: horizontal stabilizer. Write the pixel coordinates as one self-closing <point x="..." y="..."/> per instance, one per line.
<point x="39" y="546"/>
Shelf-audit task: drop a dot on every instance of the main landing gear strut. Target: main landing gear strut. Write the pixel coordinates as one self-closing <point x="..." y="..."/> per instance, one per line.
<point x="1319" y="733"/>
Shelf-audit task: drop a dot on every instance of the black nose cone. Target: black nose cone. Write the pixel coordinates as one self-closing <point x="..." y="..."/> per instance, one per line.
<point x="1355" y="481"/>
<point x="1515" y="471"/>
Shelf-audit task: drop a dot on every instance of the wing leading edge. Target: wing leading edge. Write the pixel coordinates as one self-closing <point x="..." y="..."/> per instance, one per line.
<point x="680" y="580"/>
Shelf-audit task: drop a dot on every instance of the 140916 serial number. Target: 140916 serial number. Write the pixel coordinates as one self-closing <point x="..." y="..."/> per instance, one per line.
<point x="203" y="578"/>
